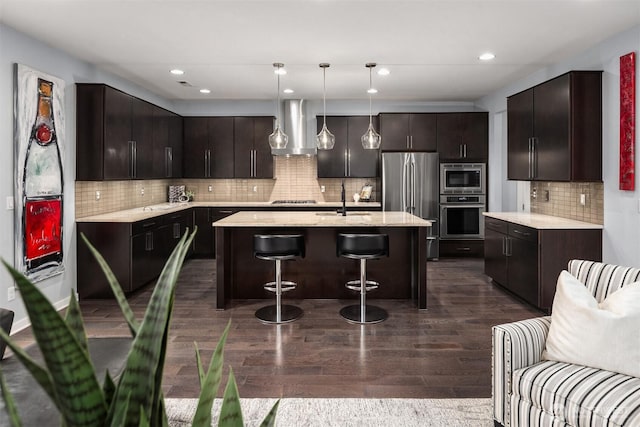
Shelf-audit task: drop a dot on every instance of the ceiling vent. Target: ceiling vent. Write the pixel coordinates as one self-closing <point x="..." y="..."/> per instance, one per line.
<point x="185" y="83"/>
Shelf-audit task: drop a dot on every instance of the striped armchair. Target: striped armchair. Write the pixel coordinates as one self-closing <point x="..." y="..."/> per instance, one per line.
<point x="528" y="391"/>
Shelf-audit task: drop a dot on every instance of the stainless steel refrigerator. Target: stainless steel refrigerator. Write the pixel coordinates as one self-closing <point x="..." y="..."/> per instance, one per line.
<point x="410" y="184"/>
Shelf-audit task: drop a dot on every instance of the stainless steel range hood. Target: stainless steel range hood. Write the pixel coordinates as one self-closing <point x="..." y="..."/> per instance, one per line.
<point x="295" y="126"/>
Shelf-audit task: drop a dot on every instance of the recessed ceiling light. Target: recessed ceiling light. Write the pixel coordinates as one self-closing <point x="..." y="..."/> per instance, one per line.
<point x="488" y="56"/>
<point x="177" y="72"/>
<point x="288" y="90"/>
<point x="372" y="90"/>
<point x="205" y="91"/>
<point x="383" y="72"/>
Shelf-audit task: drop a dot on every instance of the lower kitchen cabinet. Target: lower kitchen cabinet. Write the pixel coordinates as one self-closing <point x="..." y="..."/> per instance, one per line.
<point x="136" y="252"/>
<point x="204" y="244"/>
<point x="527" y="261"/>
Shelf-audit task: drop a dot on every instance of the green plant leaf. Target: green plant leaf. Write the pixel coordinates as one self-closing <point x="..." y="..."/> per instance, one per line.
<point x="73" y="319"/>
<point x="78" y="394"/>
<point x="270" y="419"/>
<point x="120" y="412"/>
<point x="199" y="366"/>
<point x="115" y="288"/>
<point x="144" y="420"/>
<point x="139" y="381"/>
<point x="211" y="382"/>
<point x="9" y="403"/>
<point x="231" y="412"/>
<point x="40" y="374"/>
<point x="108" y="388"/>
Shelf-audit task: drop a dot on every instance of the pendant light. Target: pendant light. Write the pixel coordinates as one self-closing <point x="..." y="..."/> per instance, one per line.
<point x="278" y="139"/>
<point x="325" y="139"/>
<point x="371" y="139"/>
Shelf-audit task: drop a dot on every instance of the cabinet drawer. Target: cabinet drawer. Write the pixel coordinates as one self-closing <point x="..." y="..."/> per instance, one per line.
<point x="462" y="248"/>
<point x="496" y="225"/>
<point x="524" y="233"/>
<point x="139" y="227"/>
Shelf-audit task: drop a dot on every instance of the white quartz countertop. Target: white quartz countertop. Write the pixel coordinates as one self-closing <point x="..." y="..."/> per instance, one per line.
<point x="152" y="211"/>
<point x="542" y="222"/>
<point x="321" y="219"/>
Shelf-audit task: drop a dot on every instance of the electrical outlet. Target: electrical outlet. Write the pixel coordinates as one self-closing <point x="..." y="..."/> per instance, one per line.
<point x="210" y="188"/>
<point x="255" y="188"/>
<point x="9" y="203"/>
<point x="142" y="191"/>
<point x="98" y="195"/>
<point x="583" y="199"/>
<point x="11" y="293"/>
<point x="322" y="188"/>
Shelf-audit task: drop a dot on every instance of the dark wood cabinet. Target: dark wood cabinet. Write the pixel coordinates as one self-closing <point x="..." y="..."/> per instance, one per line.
<point x="348" y="159"/>
<point x="461" y="248"/>
<point x="252" y="153"/>
<point x="167" y="144"/>
<point x="555" y="129"/>
<point x="136" y="252"/>
<point x="204" y="245"/>
<point x="527" y="261"/>
<point x="208" y="147"/>
<point x="115" y="135"/>
<point x="463" y="136"/>
<point x="408" y="132"/>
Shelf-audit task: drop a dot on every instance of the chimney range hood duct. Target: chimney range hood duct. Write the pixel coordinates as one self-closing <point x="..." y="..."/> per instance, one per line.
<point x="295" y="126"/>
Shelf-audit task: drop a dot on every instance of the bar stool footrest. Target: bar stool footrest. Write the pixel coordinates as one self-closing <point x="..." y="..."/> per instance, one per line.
<point x="372" y="314"/>
<point x="354" y="285"/>
<point x="286" y="286"/>
<point x="288" y="313"/>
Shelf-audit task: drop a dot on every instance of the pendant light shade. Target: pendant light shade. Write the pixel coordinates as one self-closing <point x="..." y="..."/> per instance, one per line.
<point x="325" y="140"/>
<point x="371" y="139"/>
<point x="278" y="139"/>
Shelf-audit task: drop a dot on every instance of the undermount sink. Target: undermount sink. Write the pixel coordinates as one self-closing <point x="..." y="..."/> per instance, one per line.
<point x="339" y="214"/>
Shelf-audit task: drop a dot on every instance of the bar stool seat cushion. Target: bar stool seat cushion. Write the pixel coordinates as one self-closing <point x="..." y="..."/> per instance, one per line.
<point x="359" y="246"/>
<point x="278" y="246"/>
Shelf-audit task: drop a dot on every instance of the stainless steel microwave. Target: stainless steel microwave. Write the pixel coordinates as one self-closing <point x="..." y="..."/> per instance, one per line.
<point x="463" y="178"/>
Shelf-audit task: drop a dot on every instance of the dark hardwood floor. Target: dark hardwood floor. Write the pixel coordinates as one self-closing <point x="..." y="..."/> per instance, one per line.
<point x="441" y="352"/>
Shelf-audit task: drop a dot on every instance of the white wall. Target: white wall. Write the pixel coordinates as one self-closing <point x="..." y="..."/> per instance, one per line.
<point x="15" y="47"/>
<point x="621" y="243"/>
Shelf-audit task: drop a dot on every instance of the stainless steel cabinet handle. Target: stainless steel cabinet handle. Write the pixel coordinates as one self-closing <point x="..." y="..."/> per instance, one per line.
<point x="408" y="144"/>
<point x="534" y="168"/>
<point x="464" y="249"/>
<point x="148" y="241"/>
<point x="176" y="230"/>
<point x="132" y="159"/>
<point x="530" y="174"/>
<point x="411" y="141"/>
<point x="509" y="246"/>
<point x="504" y="246"/>
<point x="460" y="150"/>
<point x="522" y="233"/>
<point x="168" y="161"/>
<point x="226" y="212"/>
<point x="465" y="150"/>
<point x="349" y="162"/>
<point x="346" y="160"/>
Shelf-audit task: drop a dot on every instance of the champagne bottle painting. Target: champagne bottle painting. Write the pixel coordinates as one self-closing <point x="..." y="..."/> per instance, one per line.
<point x="41" y="175"/>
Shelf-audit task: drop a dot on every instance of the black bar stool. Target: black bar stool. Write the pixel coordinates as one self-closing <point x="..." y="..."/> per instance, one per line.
<point x="278" y="247"/>
<point x="363" y="247"/>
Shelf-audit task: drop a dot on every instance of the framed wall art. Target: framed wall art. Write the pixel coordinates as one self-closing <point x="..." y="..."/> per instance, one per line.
<point x="627" y="121"/>
<point x="39" y="146"/>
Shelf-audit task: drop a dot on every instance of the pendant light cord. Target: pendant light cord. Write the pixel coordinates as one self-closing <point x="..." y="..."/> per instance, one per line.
<point x="324" y="96"/>
<point x="370" y="84"/>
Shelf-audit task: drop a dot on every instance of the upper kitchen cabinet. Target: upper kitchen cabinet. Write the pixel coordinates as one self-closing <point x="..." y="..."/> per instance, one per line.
<point x="167" y="144"/>
<point x="252" y="153"/>
<point x="114" y="133"/>
<point x="408" y="132"/>
<point x="463" y="136"/>
<point x="555" y="129"/>
<point x="208" y="147"/>
<point x="347" y="159"/>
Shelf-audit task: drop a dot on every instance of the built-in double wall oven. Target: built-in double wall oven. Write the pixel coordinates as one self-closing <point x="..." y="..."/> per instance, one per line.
<point x="462" y="200"/>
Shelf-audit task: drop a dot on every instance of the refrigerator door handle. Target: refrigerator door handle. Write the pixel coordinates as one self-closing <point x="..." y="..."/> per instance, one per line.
<point x="405" y="183"/>
<point x="413" y="185"/>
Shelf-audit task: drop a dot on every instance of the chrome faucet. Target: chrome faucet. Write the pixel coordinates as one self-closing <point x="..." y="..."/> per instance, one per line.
<point x="343" y="199"/>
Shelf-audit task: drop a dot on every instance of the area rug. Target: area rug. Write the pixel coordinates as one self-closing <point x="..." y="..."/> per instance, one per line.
<point x="349" y="412"/>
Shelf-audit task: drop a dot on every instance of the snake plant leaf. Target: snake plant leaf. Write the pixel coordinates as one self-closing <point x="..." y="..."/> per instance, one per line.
<point x="115" y="288"/>
<point x="270" y="419"/>
<point x="79" y="397"/>
<point x="9" y="403"/>
<point x="231" y="412"/>
<point x="120" y="412"/>
<point x="108" y="388"/>
<point x="40" y="374"/>
<point x="144" y="420"/>
<point x="210" y="382"/>
<point x="139" y="381"/>
<point x="199" y="366"/>
<point x="73" y="319"/>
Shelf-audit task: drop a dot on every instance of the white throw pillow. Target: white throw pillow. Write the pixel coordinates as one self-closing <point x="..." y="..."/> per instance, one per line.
<point x="604" y="336"/>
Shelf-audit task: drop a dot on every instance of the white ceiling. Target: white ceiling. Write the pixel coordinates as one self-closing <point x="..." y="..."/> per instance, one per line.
<point x="431" y="47"/>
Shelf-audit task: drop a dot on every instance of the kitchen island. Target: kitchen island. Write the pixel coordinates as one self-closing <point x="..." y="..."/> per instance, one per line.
<point x="321" y="273"/>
